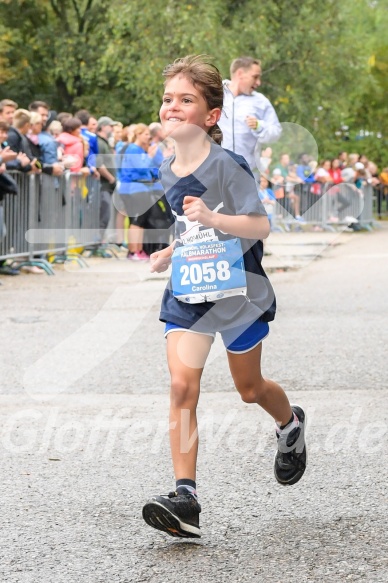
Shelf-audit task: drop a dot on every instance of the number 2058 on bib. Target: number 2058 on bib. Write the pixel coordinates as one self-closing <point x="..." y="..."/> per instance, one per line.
<point x="208" y="271"/>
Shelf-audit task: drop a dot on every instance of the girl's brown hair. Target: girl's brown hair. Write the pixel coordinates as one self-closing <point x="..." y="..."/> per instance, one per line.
<point x="206" y="77"/>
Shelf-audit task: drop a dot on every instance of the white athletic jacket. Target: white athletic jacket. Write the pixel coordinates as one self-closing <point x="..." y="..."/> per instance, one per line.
<point x="237" y="136"/>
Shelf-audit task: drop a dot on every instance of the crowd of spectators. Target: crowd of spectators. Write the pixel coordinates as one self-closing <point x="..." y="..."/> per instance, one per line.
<point x="126" y="160"/>
<point x="285" y="180"/>
<point x="37" y="140"/>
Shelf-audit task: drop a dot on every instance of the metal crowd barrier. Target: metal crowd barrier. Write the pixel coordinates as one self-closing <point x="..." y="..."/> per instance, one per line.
<point x="326" y="206"/>
<point x="50" y="216"/>
<point x="16" y="213"/>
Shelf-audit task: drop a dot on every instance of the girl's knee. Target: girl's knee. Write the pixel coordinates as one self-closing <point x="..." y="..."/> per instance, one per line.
<point x="183" y="393"/>
<point x="251" y="393"/>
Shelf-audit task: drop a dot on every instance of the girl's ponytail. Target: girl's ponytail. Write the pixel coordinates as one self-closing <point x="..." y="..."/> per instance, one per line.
<point x="216" y="134"/>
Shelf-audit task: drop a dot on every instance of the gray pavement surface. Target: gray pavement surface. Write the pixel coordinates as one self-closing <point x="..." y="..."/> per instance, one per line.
<point x="84" y="406"/>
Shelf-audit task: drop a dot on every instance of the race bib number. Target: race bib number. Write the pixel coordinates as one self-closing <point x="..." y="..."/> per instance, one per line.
<point x="208" y="271"/>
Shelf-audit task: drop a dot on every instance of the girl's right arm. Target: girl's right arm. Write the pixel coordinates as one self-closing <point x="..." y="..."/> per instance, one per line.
<point x="160" y="261"/>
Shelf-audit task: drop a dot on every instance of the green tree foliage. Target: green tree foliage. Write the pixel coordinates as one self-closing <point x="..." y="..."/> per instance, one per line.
<point x="324" y="65"/>
<point x="51" y="48"/>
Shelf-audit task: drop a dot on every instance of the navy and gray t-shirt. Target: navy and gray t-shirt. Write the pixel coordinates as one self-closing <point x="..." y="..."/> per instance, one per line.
<point x="226" y="185"/>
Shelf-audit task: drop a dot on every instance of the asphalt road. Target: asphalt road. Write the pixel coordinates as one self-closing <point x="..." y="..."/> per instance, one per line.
<point x="84" y="442"/>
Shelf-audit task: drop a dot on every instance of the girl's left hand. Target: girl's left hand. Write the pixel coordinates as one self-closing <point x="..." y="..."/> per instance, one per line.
<point x="196" y="210"/>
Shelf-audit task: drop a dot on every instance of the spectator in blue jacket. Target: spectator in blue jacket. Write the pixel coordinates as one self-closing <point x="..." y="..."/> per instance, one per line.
<point x="84" y="116"/>
<point x="45" y="142"/>
<point x="48" y="145"/>
<point x="304" y="170"/>
<point x="138" y="180"/>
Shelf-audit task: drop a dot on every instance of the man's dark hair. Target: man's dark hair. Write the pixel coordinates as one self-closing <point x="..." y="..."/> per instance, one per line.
<point x="70" y="124"/>
<point x="83" y="115"/>
<point x="35" y="105"/>
<point x="4" y="126"/>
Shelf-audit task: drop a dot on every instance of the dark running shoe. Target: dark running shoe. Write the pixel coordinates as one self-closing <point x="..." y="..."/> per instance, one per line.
<point x="291" y="457"/>
<point x="177" y="514"/>
<point x="8" y="270"/>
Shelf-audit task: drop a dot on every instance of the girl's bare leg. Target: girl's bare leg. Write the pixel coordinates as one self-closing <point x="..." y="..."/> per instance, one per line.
<point x="186" y="356"/>
<point x="253" y="388"/>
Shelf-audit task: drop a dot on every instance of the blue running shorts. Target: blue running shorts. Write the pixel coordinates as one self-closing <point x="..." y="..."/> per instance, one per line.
<point x="236" y="340"/>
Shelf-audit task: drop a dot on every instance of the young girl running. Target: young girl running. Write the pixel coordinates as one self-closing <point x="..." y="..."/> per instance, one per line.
<point x="217" y="285"/>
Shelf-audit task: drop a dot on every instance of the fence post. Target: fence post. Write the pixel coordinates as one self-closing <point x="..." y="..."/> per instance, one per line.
<point x="32" y="212"/>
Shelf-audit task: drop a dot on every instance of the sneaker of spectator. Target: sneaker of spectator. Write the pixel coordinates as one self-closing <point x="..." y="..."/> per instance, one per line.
<point x="32" y="269"/>
<point x="6" y="269"/>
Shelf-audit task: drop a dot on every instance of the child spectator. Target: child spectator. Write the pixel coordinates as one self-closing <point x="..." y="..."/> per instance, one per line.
<point x="321" y="177"/>
<point x="292" y="180"/>
<point x="73" y="147"/>
<point x="277" y="182"/>
<point x="304" y="170"/>
<point x="335" y="171"/>
<point x="55" y="128"/>
<point x="360" y="177"/>
<point x="267" y="197"/>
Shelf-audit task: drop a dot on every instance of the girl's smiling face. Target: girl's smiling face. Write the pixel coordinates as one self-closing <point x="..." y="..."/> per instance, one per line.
<point x="183" y="105"/>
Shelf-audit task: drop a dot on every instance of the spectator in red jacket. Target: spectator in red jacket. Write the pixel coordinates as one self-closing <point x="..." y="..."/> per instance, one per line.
<point x="335" y="171"/>
<point x="73" y="145"/>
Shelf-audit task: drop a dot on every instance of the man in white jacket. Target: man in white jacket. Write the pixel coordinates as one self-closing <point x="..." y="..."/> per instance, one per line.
<point x="248" y="118"/>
